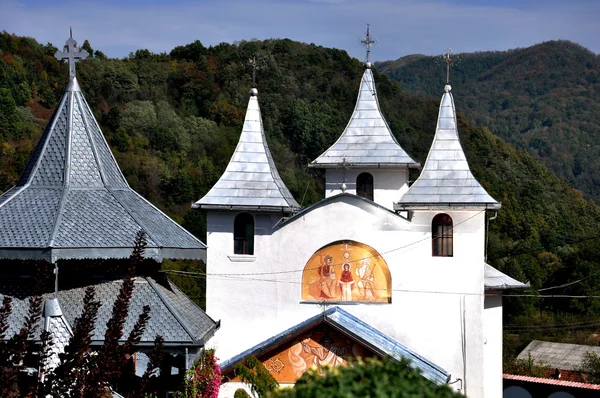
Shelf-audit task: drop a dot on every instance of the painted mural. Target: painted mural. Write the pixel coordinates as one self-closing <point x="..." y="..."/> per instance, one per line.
<point x="347" y="271"/>
<point x="321" y="346"/>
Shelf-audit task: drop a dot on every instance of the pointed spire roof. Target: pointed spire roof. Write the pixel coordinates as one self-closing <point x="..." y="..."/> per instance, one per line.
<point x="367" y="140"/>
<point x="251" y="180"/>
<point x="446" y="179"/>
<point x="72" y="201"/>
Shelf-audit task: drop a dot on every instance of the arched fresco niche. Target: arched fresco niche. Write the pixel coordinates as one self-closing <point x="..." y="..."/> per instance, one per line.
<point x="347" y="271"/>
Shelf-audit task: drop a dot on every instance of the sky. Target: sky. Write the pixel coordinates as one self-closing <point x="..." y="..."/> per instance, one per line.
<point x="401" y="27"/>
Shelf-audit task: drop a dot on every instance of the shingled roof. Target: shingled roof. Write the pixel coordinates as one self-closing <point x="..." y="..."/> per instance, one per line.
<point x="72" y="201"/>
<point x="172" y="314"/>
<point x="446" y="179"/>
<point x="367" y="140"/>
<point x="251" y="180"/>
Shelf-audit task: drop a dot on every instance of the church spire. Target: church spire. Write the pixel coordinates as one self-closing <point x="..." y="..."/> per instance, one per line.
<point x="446" y="179"/>
<point x="367" y="140"/>
<point x="251" y="180"/>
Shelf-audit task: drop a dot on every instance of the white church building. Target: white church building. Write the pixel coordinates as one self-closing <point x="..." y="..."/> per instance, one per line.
<point x="379" y="267"/>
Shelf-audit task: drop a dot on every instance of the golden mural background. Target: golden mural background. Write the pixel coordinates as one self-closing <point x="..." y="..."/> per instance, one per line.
<point x="347" y="271"/>
<point x="319" y="347"/>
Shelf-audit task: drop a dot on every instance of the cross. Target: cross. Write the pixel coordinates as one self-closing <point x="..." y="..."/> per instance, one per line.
<point x="346" y="248"/>
<point x="72" y="54"/>
<point x="447" y="57"/>
<point x="367" y="41"/>
<point x="252" y="62"/>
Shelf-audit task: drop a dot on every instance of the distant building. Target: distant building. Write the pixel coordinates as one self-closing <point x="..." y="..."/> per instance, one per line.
<point x="377" y="268"/>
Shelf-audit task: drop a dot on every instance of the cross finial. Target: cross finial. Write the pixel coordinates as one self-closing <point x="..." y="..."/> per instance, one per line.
<point x="450" y="59"/>
<point x="368" y="41"/>
<point x="252" y="62"/>
<point x="72" y="55"/>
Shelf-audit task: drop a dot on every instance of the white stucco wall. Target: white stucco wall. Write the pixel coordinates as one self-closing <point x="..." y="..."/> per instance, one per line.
<point x="492" y="332"/>
<point x="388" y="184"/>
<point x="437" y="303"/>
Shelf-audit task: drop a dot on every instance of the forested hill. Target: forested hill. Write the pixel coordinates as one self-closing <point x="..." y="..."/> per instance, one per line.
<point x="544" y="99"/>
<point x="173" y="121"/>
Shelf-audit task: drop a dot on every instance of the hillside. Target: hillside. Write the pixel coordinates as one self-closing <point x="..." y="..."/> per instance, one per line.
<point x="173" y="120"/>
<point x="544" y="99"/>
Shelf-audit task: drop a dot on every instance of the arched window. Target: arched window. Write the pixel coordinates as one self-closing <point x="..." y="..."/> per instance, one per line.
<point x="364" y="185"/>
<point x="243" y="234"/>
<point x="441" y="234"/>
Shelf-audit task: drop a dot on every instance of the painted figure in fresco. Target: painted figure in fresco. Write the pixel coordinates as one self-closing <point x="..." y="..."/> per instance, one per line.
<point x="328" y="279"/>
<point x="346" y="282"/>
<point x="325" y="354"/>
<point x="366" y="287"/>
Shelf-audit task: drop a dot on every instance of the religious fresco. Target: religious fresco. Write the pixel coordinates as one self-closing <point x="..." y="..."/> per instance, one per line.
<point x="347" y="271"/>
<point x="321" y="346"/>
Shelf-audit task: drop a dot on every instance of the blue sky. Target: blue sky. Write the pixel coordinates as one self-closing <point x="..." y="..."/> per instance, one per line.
<point x="401" y="27"/>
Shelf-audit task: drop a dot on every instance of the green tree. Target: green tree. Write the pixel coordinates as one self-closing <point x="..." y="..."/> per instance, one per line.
<point x="371" y="378"/>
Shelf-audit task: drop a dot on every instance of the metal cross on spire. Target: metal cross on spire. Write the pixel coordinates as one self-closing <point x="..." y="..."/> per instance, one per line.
<point x="72" y="55"/>
<point x="252" y="62"/>
<point x="450" y="60"/>
<point x="368" y="41"/>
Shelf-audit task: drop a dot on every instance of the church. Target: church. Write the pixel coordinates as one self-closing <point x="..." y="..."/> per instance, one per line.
<point x="379" y="267"/>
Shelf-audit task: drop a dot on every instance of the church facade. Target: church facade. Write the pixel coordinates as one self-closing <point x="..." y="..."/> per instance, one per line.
<point x="379" y="267"/>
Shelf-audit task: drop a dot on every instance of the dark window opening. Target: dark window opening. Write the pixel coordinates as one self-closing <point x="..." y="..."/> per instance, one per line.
<point x="441" y="234"/>
<point x="364" y="185"/>
<point x="243" y="234"/>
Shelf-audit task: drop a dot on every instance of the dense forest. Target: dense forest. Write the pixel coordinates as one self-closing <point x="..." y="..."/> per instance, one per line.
<point x="173" y="121"/>
<point x="544" y="99"/>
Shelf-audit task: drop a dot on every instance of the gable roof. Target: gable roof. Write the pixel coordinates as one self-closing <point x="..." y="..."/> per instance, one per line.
<point x="367" y="140"/>
<point x="358" y="330"/>
<point x="557" y="355"/>
<point x="172" y="314"/>
<point x="72" y="201"/>
<point x="251" y="180"/>
<point x="338" y="198"/>
<point x="446" y="179"/>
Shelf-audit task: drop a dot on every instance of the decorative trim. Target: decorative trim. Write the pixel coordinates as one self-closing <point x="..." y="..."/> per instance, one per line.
<point x="242" y="258"/>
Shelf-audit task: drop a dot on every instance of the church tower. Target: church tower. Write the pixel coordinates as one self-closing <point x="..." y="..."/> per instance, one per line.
<point x="366" y="160"/>
<point x="244" y="205"/>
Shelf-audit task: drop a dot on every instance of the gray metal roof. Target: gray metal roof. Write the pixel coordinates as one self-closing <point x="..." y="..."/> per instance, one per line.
<point x="367" y="140"/>
<point x="446" y="179"/>
<point x="251" y="180"/>
<point x="497" y="280"/>
<point x="72" y="201"/>
<point x="358" y="330"/>
<point x="172" y="314"/>
<point x="557" y="355"/>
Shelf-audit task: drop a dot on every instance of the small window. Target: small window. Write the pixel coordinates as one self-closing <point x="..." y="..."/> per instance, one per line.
<point x="364" y="185"/>
<point x="441" y="235"/>
<point x="243" y="234"/>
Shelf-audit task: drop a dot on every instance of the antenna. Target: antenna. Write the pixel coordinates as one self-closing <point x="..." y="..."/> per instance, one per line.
<point x="367" y="41"/>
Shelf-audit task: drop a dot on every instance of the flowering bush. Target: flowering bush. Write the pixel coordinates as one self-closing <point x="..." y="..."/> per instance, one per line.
<point x="204" y="380"/>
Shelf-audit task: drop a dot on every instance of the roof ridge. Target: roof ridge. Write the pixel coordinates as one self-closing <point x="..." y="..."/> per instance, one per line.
<point x="167" y="304"/>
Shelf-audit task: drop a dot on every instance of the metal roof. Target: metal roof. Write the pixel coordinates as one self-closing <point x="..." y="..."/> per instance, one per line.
<point x="557" y="355"/>
<point x="358" y="330"/>
<point x="251" y="180"/>
<point x="172" y="314"/>
<point x="496" y="280"/>
<point x="72" y="201"/>
<point x="367" y="140"/>
<point x="446" y="179"/>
